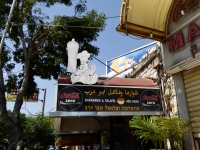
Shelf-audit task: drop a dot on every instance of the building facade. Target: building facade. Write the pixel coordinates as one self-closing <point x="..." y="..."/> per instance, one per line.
<point x="181" y="58"/>
<point x="176" y="24"/>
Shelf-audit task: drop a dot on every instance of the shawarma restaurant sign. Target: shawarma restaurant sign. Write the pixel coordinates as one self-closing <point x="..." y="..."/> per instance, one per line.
<point x="104" y="98"/>
<point x="87" y="97"/>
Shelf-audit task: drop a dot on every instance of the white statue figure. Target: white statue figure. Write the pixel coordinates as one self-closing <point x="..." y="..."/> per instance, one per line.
<point x="72" y="48"/>
<point x="85" y="74"/>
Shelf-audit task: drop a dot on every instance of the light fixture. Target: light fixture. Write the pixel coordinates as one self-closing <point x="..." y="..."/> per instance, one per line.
<point x="182" y="12"/>
<point x="129" y="7"/>
<point x="151" y="35"/>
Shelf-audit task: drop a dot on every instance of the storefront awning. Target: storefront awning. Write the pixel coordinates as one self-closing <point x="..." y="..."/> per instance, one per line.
<point x="145" y="18"/>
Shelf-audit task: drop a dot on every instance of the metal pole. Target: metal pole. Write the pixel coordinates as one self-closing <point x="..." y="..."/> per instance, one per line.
<point x="43" y="102"/>
<point x="7" y="25"/>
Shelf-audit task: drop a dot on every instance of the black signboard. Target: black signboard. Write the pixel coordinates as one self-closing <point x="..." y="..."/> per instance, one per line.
<point x="107" y="98"/>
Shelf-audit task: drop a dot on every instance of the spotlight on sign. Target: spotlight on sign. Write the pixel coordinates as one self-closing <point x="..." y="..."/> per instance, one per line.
<point x="151" y="35"/>
<point x="182" y="12"/>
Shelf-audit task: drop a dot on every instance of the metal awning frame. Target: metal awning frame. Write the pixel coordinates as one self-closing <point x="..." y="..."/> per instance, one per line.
<point x="66" y="114"/>
<point x="140" y="31"/>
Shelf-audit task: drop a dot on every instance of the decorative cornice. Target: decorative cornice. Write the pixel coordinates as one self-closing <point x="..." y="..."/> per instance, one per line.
<point x="183" y="5"/>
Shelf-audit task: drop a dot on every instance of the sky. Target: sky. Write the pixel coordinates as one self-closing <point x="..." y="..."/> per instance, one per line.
<point x="110" y="42"/>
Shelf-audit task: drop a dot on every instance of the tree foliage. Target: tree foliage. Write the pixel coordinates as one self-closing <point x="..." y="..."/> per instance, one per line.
<point x="37" y="131"/>
<point x="158" y="129"/>
<point x="148" y="129"/>
<point x="39" y="49"/>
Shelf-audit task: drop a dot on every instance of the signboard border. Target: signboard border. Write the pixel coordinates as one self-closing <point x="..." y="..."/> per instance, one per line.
<point x="104" y="113"/>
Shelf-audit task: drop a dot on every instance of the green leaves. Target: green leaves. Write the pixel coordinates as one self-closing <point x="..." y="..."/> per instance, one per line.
<point x="146" y="129"/>
<point x="159" y="129"/>
<point x="45" y="42"/>
<point x="38" y="132"/>
<point x="175" y="129"/>
<point x="40" y="51"/>
<point x="80" y="7"/>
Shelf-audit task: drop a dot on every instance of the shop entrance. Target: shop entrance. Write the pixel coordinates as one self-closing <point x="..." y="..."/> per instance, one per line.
<point x="114" y="134"/>
<point x="80" y="141"/>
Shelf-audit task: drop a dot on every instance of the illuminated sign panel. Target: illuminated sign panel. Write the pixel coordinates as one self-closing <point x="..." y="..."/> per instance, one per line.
<point x="107" y="98"/>
<point x="127" y="60"/>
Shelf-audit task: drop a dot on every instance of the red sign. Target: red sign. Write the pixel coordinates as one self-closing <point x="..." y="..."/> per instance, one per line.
<point x="71" y="95"/>
<point x="175" y="44"/>
<point x="150" y="98"/>
<point x="186" y="7"/>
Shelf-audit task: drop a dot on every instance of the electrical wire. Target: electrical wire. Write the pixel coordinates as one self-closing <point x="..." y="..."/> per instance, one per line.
<point x="39" y="24"/>
<point x="49" y="111"/>
<point x="104" y="64"/>
<point x="30" y="112"/>
<point x="52" y="25"/>
<point x="133" y="52"/>
<point x="33" y="114"/>
<point x="135" y="38"/>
